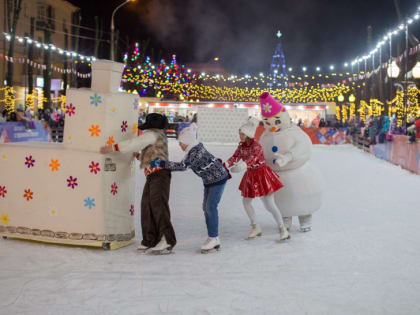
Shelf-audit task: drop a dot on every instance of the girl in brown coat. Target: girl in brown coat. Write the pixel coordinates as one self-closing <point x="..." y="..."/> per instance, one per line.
<point x="158" y="233"/>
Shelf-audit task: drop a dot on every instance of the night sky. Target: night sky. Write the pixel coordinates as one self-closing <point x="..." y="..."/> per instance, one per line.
<point x="242" y="32"/>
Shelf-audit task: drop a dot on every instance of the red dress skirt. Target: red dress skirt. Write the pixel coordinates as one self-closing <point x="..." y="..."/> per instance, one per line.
<point x="259" y="182"/>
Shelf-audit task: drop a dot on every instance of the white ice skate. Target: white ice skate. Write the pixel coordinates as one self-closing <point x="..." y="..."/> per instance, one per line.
<point x="141" y="248"/>
<point x="305" y="223"/>
<point x="162" y="247"/>
<point x="287" y="222"/>
<point x="255" y="231"/>
<point x="284" y="234"/>
<point x="210" y="244"/>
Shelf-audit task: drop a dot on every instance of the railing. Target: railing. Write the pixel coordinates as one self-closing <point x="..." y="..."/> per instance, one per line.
<point x="361" y="142"/>
<point x="57" y="133"/>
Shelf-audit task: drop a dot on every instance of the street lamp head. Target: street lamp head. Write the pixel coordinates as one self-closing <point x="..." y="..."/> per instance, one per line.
<point x="416" y="71"/>
<point x="393" y="70"/>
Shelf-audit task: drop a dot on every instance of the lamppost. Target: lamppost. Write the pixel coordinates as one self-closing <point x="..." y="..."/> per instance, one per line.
<point x="113" y="27"/>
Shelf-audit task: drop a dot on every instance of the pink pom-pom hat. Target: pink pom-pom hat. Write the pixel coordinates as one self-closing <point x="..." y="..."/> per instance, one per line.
<point x="269" y="106"/>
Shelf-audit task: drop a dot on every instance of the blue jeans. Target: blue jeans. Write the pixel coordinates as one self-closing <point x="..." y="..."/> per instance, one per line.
<point x="212" y="196"/>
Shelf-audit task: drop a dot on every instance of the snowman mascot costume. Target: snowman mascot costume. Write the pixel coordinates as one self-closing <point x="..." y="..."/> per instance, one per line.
<point x="288" y="150"/>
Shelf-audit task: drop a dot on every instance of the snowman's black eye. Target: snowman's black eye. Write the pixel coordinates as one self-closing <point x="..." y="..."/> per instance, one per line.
<point x="278" y="122"/>
<point x="267" y="123"/>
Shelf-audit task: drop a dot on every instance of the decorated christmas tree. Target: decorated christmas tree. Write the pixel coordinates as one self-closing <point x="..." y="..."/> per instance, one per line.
<point x="163" y="80"/>
<point x="278" y="63"/>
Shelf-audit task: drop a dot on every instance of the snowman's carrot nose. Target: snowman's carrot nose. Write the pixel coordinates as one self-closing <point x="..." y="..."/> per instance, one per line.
<point x="273" y="129"/>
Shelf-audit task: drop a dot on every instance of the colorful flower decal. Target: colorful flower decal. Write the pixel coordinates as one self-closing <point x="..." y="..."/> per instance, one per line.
<point x="54" y="165"/>
<point x="124" y="126"/>
<point x="53" y="212"/>
<point x="132" y="210"/>
<point x="3" y="156"/>
<point x="267" y="108"/>
<point x="95" y="99"/>
<point x="30" y="162"/>
<point x="134" y="129"/>
<point x="70" y="110"/>
<point x="5" y="219"/>
<point x="72" y="182"/>
<point x="114" y="189"/>
<point x="94" y="130"/>
<point x="94" y="167"/>
<point x="28" y="195"/>
<point x="110" y="141"/>
<point x="3" y="191"/>
<point x="89" y="202"/>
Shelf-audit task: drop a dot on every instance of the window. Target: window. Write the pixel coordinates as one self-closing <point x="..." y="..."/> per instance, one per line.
<point x="26" y="10"/>
<point x="42" y="16"/>
<point x="41" y="12"/>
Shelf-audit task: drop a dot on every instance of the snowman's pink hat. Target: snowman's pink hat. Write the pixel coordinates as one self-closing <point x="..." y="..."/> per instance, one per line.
<point x="269" y="106"/>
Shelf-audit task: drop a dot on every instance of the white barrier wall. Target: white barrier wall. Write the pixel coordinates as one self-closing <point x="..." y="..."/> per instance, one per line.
<point x="69" y="193"/>
<point x="221" y="125"/>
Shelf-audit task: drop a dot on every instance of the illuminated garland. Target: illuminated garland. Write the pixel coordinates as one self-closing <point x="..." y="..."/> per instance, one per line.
<point x="362" y="110"/>
<point x="338" y="113"/>
<point x="397" y="107"/>
<point x="10" y="100"/>
<point x="144" y="78"/>
<point x="344" y="114"/>
<point x="376" y="107"/>
<point x="412" y="103"/>
<point x="352" y="110"/>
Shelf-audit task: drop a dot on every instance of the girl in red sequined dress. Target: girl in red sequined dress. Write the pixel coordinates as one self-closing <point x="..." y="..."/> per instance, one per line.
<point x="259" y="179"/>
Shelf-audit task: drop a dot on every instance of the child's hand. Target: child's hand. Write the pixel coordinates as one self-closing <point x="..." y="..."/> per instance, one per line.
<point x="283" y="159"/>
<point x="239" y="167"/>
<point x="157" y="163"/>
<point x="105" y="150"/>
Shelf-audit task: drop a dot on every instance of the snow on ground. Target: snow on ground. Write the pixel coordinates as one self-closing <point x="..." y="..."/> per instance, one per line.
<point x="362" y="256"/>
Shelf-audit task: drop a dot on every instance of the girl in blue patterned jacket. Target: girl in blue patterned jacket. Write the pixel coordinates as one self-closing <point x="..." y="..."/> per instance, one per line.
<point x="213" y="174"/>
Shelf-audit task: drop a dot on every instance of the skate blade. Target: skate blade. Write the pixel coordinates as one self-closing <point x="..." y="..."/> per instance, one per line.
<point x="206" y="251"/>
<point x="253" y="238"/>
<point x="143" y="250"/>
<point x="166" y="251"/>
<point x="284" y="240"/>
<point x="305" y="230"/>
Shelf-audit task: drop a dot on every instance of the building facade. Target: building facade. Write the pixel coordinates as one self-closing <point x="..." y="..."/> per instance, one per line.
<point x="53" y="16"/>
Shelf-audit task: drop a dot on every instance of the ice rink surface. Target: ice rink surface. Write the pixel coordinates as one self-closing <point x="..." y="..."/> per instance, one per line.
<point x="362" y="256"/>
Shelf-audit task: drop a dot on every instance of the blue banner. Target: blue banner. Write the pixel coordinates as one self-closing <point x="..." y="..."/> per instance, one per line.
<point x="20" y="132"/>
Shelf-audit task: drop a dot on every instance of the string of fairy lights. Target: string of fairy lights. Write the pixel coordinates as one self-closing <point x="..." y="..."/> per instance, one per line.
<point x="302" y="84"/>
<point x="331" y="69"/>
<point x="29" y="41"/>
<point x="140" y="76"/>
